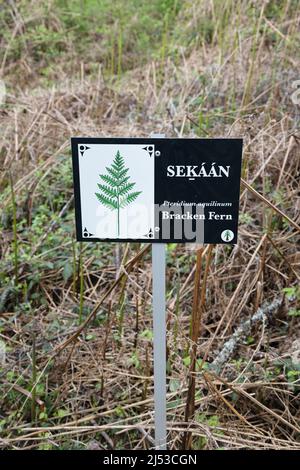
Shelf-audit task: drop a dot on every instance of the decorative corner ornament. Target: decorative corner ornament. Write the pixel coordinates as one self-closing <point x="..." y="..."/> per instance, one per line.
<point x="150" y="150"/>
<point x="82" y="149"/>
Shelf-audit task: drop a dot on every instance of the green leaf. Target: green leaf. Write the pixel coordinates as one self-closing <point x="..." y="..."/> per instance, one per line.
<point x="113" y="172"/>
<point x="292" y="293"/>
<point x="118" y="162"/>
<point x="250" y="340"/>
<point x="68" y="271"/>
<point x="124" y="180"/>
<point x="129" y="198"/>
<point x="174" y="385"/>
<point x="123" y="172"/>
<point x="119" y="411"/>
<point x="117" y="168"/>
<point x="171" y="247"/>
<point x="148" y="334"/>
<point x="61" y="413"/>
<point x="294" y="312"/>
<point x="187" y="361"/>
<point x="109" y="180"/>
<point x="111" y="192"/>
<point x="113" y="205"/>
<point x="126" y="188"/>
<point x="90" y="337"/>
<point x="134" y="360"/>
<point x="174" y="404"/>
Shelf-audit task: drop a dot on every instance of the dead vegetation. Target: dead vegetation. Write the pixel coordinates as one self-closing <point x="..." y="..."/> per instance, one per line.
<point x="76" y="340"/>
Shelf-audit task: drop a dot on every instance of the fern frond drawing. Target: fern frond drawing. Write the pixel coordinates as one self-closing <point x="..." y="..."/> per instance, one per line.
<point x="116" y="189"/>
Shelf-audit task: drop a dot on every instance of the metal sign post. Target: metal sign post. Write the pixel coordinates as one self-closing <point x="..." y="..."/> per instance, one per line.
<point x="159" y="340"/>
<point x="159" y="344"/>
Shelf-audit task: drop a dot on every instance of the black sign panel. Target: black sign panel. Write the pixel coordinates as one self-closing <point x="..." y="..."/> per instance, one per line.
<point x="157" y="190"/>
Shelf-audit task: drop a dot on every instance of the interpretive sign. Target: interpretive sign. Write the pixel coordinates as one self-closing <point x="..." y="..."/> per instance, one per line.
<point x="157" y="190"/>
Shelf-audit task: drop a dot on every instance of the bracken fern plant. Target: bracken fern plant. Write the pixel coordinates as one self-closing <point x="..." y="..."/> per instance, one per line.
<point x="116" y="189"/>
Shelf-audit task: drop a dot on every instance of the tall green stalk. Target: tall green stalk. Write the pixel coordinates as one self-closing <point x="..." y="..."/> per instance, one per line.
<point x="74" y="267"/>
<point x="118" y="219"/>
<point x="33" y="380"/>
<point x="15" y="239"/>
<point x="81" y="285"/>
<point x="120" y="47"/>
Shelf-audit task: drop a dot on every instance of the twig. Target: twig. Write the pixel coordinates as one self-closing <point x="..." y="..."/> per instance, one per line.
<point x="276" y="209"/>
<point x="261" y="315"/>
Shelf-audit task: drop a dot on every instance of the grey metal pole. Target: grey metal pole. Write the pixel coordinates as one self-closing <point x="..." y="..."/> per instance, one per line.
<point x="159" y="340"/>
<point x="159" y="344"/>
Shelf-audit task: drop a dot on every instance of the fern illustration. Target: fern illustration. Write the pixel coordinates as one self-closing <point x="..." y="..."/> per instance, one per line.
<point x="115" y="188"/>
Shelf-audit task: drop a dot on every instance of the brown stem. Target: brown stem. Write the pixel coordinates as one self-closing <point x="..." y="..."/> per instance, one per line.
<point x="190" y="401"/>
<point x="198" y="305"/>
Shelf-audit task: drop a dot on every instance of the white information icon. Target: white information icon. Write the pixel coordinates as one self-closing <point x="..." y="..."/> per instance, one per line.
<point x="227" y="235"/>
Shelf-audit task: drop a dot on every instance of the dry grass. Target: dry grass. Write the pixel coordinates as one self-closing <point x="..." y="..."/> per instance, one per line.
<point x="94" y="385"/>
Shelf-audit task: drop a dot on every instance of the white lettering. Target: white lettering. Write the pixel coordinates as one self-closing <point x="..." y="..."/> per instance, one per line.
<point x="196" y="171"/>
<point x="171" y="171"/>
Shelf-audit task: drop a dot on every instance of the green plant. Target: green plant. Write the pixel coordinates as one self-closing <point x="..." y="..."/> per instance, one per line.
<point x="15" y="239"/>
<point x="213" y="422"/>
<point x="294" y="312"/>
<point x="81" y="284"/>
<point x="120" y="47"/>
<point x="116" y="192"/>
<point x="33" y="380"/>
<point x="292" y="293"/>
